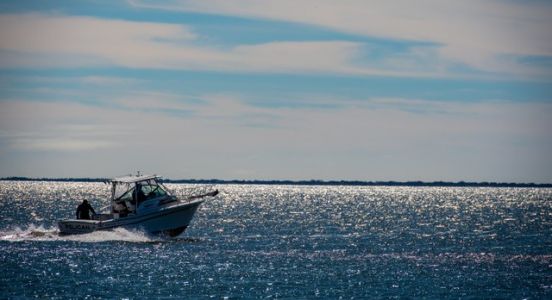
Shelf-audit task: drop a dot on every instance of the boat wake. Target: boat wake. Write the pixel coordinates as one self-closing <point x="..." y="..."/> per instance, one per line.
<point x="40" y="233"/>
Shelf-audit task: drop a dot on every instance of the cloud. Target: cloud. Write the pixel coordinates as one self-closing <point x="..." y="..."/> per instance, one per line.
<point x="57" y="144"/>
<point x="60" y="126"/>
<point x="222" y="108"/>
<point x="369" y="139"/>
<point x="150" y="100"/>
<point x="110" y="81"/>
<point x="38" y="40"/>
<point x="67" y="41"/>
<point x="489" y="36"/>
<point x="44" y="41"/>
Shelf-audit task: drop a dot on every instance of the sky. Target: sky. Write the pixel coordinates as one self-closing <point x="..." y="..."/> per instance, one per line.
<point x="247" y="89"/>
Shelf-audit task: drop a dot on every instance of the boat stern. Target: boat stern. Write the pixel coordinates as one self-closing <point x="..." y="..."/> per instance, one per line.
<point x="77" y="226"/>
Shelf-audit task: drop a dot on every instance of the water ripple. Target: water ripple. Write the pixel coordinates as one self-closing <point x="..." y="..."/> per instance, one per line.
<point x="287" y="241"/>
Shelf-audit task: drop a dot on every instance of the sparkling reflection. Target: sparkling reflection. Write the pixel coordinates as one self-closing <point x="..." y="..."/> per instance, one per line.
<point x="288" y="241"/>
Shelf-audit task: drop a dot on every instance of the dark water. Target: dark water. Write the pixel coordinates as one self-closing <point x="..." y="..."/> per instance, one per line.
<point x="288" y="242"/>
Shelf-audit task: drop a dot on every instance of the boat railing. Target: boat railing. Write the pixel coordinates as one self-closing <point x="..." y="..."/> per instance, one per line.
<point x="196" y="192"/>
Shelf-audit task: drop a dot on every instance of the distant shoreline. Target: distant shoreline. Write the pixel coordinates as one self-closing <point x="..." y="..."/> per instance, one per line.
<point x="308" y="182"/>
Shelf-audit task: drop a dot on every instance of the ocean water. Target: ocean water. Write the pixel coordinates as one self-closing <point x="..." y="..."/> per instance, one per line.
<point x="287" y="242"/>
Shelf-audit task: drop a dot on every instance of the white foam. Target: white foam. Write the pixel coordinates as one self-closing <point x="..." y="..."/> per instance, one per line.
<point x="117" y="234"/>
<point x="33" y="232"/>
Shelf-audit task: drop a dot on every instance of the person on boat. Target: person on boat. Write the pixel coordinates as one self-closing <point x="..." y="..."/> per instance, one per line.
<point x="121" y="208"/>
<point x="140" y="196"/>
<point x="84" y="209"/>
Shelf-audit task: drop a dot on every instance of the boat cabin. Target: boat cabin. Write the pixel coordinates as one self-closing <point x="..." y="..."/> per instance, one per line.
<point x="135" y="194"/>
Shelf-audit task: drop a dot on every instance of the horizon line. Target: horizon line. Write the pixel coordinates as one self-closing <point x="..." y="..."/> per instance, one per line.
<point x="438" y="183"/>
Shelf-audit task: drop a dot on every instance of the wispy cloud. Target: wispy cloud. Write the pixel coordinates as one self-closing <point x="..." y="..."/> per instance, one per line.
<point x="38" y="40"/>
<point x="105" y="81"/>
<point x="59" y="144"/>
<point x="56" y="126"/>
<point x="65" y="40"/>
<point x="45" y="40"/>
<point x="222" y="108"/>
<point x="400" y="139"/>
<point x="489" y="36"/>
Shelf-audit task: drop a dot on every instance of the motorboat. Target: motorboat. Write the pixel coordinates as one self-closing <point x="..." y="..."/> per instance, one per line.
<point x="142" y="202"/>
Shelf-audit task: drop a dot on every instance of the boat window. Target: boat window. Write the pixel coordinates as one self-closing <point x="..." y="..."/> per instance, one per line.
<point x="153" y="191"/>
<point x="127" y="196"/>
<point x="121" y="189"/>
<point x="157" y="191"/>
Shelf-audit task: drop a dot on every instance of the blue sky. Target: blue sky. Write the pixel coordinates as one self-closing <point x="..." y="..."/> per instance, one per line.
<point x="360" y="90"/>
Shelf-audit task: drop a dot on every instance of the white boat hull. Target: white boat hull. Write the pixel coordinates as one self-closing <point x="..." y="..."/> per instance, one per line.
<point x="171" y="219"/>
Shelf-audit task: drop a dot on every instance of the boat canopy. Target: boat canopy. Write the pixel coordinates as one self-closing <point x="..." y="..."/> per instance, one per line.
<point x="135" y="189"/>
<point x="131" y="179"/>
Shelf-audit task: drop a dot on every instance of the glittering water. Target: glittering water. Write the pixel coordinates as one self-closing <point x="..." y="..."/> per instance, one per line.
<point x="287" y="242"/>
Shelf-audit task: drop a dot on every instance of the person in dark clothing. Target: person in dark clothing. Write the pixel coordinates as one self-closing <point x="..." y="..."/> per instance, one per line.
<point x="84" y="209"/>
<point x="140" y="196"/>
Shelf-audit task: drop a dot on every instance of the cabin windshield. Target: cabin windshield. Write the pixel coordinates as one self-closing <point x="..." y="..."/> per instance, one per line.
<point x="128" y="196"/>
<point x="150" y="189"/>
<point x="138" y="191"/>
<point x="123" y="190"/>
